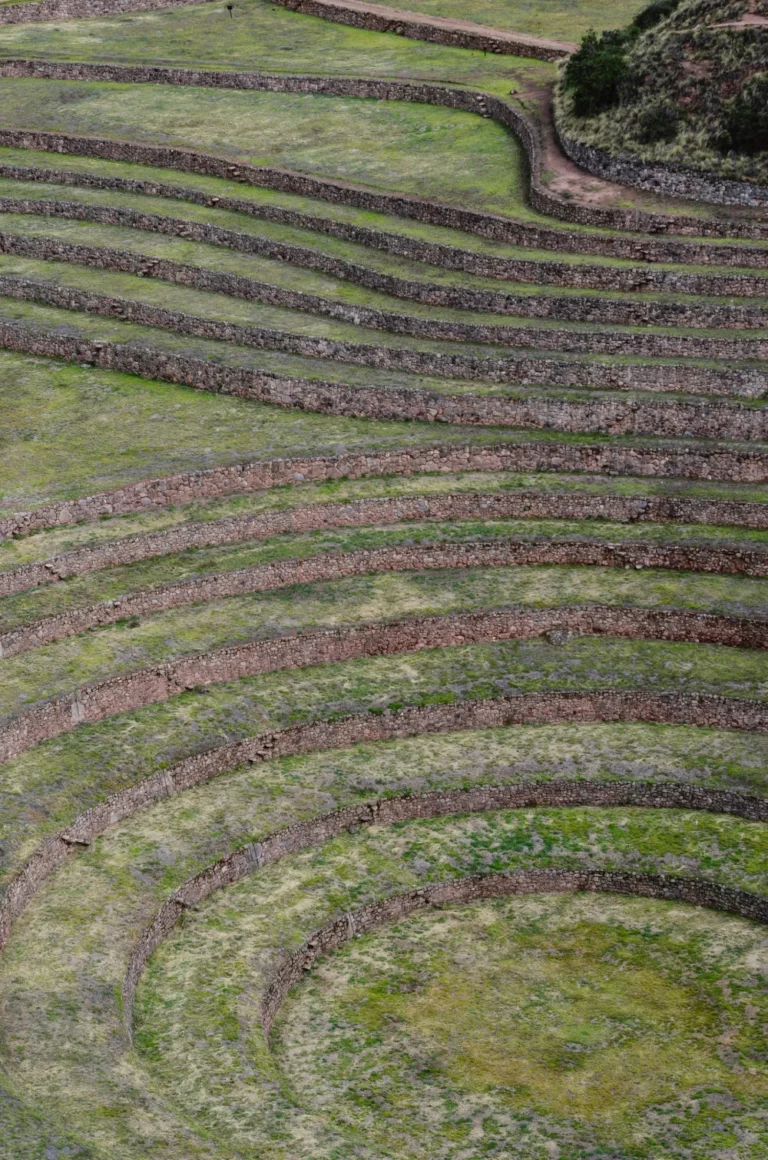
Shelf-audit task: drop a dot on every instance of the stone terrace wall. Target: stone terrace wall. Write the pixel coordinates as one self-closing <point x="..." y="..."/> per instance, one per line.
<point x="483" y="104"/>
<point x="130" y="691"/>
<point x="530" y="368"/>
<point x="536" y="271"/>
<point x="667" y="179"/>
<point x="486" y="41"/>
<point x="512" y="44"/>
<point x="565" y="309"/>
<point x="670" y="462"/>
<point x="697" y="419"/>
<point x="692" y="891"/>
<point x="537" y="708"/>
<point x="397" y="558"/>
<point x="367" y="512"/>
<point x="43" y="11"/>
<point x="638" y="345"/>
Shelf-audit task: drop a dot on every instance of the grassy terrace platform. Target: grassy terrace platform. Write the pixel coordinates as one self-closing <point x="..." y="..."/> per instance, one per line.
<point x="243" y="426"/>
<point x="554" y="19"/>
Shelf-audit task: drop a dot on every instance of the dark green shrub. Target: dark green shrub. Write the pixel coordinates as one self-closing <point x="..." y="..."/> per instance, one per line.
<point x="657" y="122"/>
<point x="596" y="72"/>
<point x="655" y="12"/>
<point x="746" y="118"/>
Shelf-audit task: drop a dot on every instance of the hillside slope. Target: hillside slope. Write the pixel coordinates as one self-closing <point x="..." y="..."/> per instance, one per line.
<point x="684" y="84"/>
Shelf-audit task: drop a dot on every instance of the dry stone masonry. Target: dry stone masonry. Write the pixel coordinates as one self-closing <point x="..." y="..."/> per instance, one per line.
<point x="692" y="891"/>
<point x="527" y="504"/>
<point x="700" y="419"/>
<point x="135" y="690"/>
<point x="696" y="463"/>
<point x="587" y="390"/>
<point x="751" y="382"/>
<point x="328" y="566"/>
<point x="484" y="104"/>
<point x="548" y="708"/>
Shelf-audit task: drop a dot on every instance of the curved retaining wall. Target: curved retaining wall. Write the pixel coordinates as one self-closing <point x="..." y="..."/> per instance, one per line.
<point x="340" y="565"/>
<point x="539" y="272"/>
<point x="630" y="248"/>
<point x="130" y="691"/>
<point x="609" y="705"/>
<point x="412" y="25"/>
<point x="487" y="225"/>
<point x="527" y="369"/>
<point x="42" y="11"/>
<point x="639" y="345"/>
<point x="698" y="463"/>
<point x="692" y="891"/>
<point x="699" y="419"/>
<point x="422" y="508"/>
<point x="666" y="179"/>
<point x="465" y="34"/>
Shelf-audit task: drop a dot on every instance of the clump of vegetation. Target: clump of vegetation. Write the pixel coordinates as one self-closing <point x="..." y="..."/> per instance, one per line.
<point x="595" y="73"/>
<point x="658" y="122"/>
<point x="654" y="12"/>
<point x="598" y="74"/>
<point x="684" y="84"/>
<point x="746" y="124"/>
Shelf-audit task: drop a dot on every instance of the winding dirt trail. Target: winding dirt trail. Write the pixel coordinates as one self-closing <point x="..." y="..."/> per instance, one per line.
<point x="750" y="19"/>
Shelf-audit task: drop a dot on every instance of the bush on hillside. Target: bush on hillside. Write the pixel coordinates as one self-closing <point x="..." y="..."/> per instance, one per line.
<point x="596" y="72"/>
<point x="657" y="121"/>
<point x="746" y="118"/>
<point x="650" y="16"/>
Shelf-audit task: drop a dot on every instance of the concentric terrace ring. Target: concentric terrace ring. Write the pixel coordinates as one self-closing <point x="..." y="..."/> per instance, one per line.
<point x="143" y="687"/>
<point x="501" y="553"/>
<point x="523" y="504"/>
<point x="608" y="705"/>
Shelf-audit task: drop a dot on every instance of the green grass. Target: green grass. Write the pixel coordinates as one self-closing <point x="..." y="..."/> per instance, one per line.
<point x="82" y="591"/>
<point x="221" y="307"/>
<point x="205" y="1065"/>
<point x="384" y="145"/>
<point x="527" y="1015"/>
<point x="44" y="544"/>
<point x="95" y="655"/>
<point x="93" y="327"/>
<point x="394" y="1053"/>
<point x="92" y="430"/>
<point x="296" y="277"/>
<point x="262" y="196"/>
<point x="551" y="1028"/>
<point x="46" y="787"/>
<point x="348" y="367"/>
<point x="303" y="276"/>
<point x="69" y="430"/>
<point x="263" y="37"/>
<point x="554" y="19"/>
